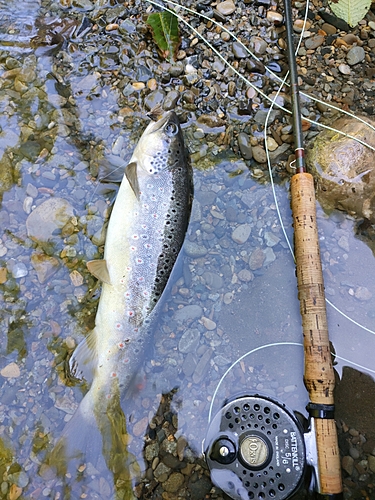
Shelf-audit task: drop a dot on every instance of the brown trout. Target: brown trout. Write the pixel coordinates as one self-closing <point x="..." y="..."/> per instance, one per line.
<point x="145" y="234"/>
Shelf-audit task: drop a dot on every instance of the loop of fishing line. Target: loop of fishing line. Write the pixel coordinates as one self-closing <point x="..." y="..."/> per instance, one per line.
<point x="273" y="102"/>
<point x="266" y="346"/>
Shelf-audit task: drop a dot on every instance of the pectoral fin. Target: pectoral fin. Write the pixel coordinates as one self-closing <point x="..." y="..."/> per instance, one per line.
<point x="98" y="268"/>
<point x="131" y="175"/>
<point x="84" y="360"/>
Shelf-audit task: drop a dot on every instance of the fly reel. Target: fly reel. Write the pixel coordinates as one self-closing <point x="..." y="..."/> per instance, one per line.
<point x="255" y="449"/>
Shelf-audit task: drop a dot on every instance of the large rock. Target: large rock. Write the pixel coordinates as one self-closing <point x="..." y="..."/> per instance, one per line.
<point x="49" y="216"/>
<point x="344" y="169"/>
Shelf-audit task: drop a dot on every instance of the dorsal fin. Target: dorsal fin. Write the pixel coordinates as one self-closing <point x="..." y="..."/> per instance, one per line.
<point x="84" y="360"/>
<point x="98" y="268"/>
<point x="131" y="175"/>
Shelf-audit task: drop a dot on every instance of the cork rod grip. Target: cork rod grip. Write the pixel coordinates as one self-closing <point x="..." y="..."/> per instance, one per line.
<point x="318" y="375"/>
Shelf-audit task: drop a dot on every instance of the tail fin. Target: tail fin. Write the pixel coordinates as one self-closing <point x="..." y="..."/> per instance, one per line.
<point x="99" y="439"/>
<point x="80" y="440"/>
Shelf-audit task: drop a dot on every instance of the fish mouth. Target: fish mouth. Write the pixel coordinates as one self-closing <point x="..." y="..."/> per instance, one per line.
<point x="157" y="124"/>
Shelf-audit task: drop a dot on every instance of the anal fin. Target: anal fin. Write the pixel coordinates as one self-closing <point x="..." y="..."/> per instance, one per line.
<point x="84" y="360"/>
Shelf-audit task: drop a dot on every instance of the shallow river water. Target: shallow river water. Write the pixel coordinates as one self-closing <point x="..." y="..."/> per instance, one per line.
<point x="230" y="322"/>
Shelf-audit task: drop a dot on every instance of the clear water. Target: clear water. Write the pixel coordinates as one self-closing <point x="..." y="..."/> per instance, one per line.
<point x="55" y="135"/>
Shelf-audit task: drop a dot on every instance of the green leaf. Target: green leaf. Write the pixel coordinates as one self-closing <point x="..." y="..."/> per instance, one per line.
<point x="351" y="11"/>
<point x="165" y="32"/>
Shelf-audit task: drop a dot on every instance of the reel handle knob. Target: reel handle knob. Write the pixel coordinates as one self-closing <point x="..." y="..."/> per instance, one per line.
<point x="223" y="451"/>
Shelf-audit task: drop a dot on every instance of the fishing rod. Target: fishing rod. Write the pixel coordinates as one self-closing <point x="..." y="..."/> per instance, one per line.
<point x="319" y="375"/>
<point x="255" y="446"/>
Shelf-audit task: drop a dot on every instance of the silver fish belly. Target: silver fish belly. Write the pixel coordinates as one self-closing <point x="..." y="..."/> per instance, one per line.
<point x="145" y="234"/>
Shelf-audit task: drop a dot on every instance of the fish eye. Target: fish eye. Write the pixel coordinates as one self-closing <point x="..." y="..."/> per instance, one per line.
<point x="171" y="129"/>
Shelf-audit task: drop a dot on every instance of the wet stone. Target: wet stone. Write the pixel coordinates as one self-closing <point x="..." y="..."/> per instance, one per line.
<point x="239" y="51"/>
<point x="44" y="265"/>
<point x="256" y="259"/>
<point x="274" y="17"/>
<point x="314" y="42"/>
<point x="202" y="366"/>
<point x="344" y="69"/>
<point x="213" y="280"/>
<point x="272" y="144"/>
<point x="200" y="489"/>
<point x="156" y="97"/>
<point x="231" y="214"/>
<point x="355" y="55"/>
<point x="151" y="451"/>
<point x="208" y="323"/>
<point x="245" y="275"/>
<point x="371" y="463"/>
<point x="259" y="154"/>
<point x="218" y="16"/>
<point x="118" y="145"/>
<point x="271" y="239"/>
<point x="344" y="243"/>
<point x="169" y="460"/>
<point x="10" y="371"/>
<point x="189" y="365"/>
<point x="340" y="182"/>
<point x="226" y="8"/>
<point x="19" y="478"/>
<point x="19" y="270"/>
<point x="261" y="115"/>
<point x="194" y="250"/>
<point x="86" y="5"/>
<point x="206" y="197"/>
<point x="241" y="234"/>
<point x="269" y="256"/>
<point x="363" y="294"/>
<point x="174" y="482"/>
<point x="161" y="470"/>
<point x="354" y="453"/>
<point x="221" y="361"/>
<point x="189" y="341"/>
<point x="245" y="146"/>
<point x="31" y="190"/>
<point x="52" y="214"/>
<point x="258" y="45"/>
<point x="176" y="69"/>
<point x="170" y="100"/>
<point x="189" y="312"/>
<point x="169" y="446"/>
<point x="211" y="121"/>
<point x="347" y="464"/>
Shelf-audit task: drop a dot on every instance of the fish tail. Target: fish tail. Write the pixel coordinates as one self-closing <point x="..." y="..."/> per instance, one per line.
<point x="80" y="439"/>
<point x="98" y="438"/>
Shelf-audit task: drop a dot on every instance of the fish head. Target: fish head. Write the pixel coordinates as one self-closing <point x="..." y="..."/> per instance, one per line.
<point x="161" y="146"/>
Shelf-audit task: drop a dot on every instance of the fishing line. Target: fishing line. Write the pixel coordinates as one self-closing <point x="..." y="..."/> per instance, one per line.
<point x="274" y="103"/>
<point x="257" y="89"/>
<point x="274" y="190"/>
<point x="265" y="346"/>
<point x="275" y="75"/>
<point x="100" y="179"/>
<point x="256" y="349"/>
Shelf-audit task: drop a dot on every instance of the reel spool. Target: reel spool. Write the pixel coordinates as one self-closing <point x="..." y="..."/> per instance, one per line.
<point x="255" y="449"/>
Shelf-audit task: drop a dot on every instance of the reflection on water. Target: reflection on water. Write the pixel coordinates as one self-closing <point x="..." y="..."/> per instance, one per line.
<point x="233" y="289"/>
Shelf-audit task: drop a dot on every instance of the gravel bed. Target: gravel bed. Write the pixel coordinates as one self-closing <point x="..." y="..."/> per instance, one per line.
<point x="77" y="78"/>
